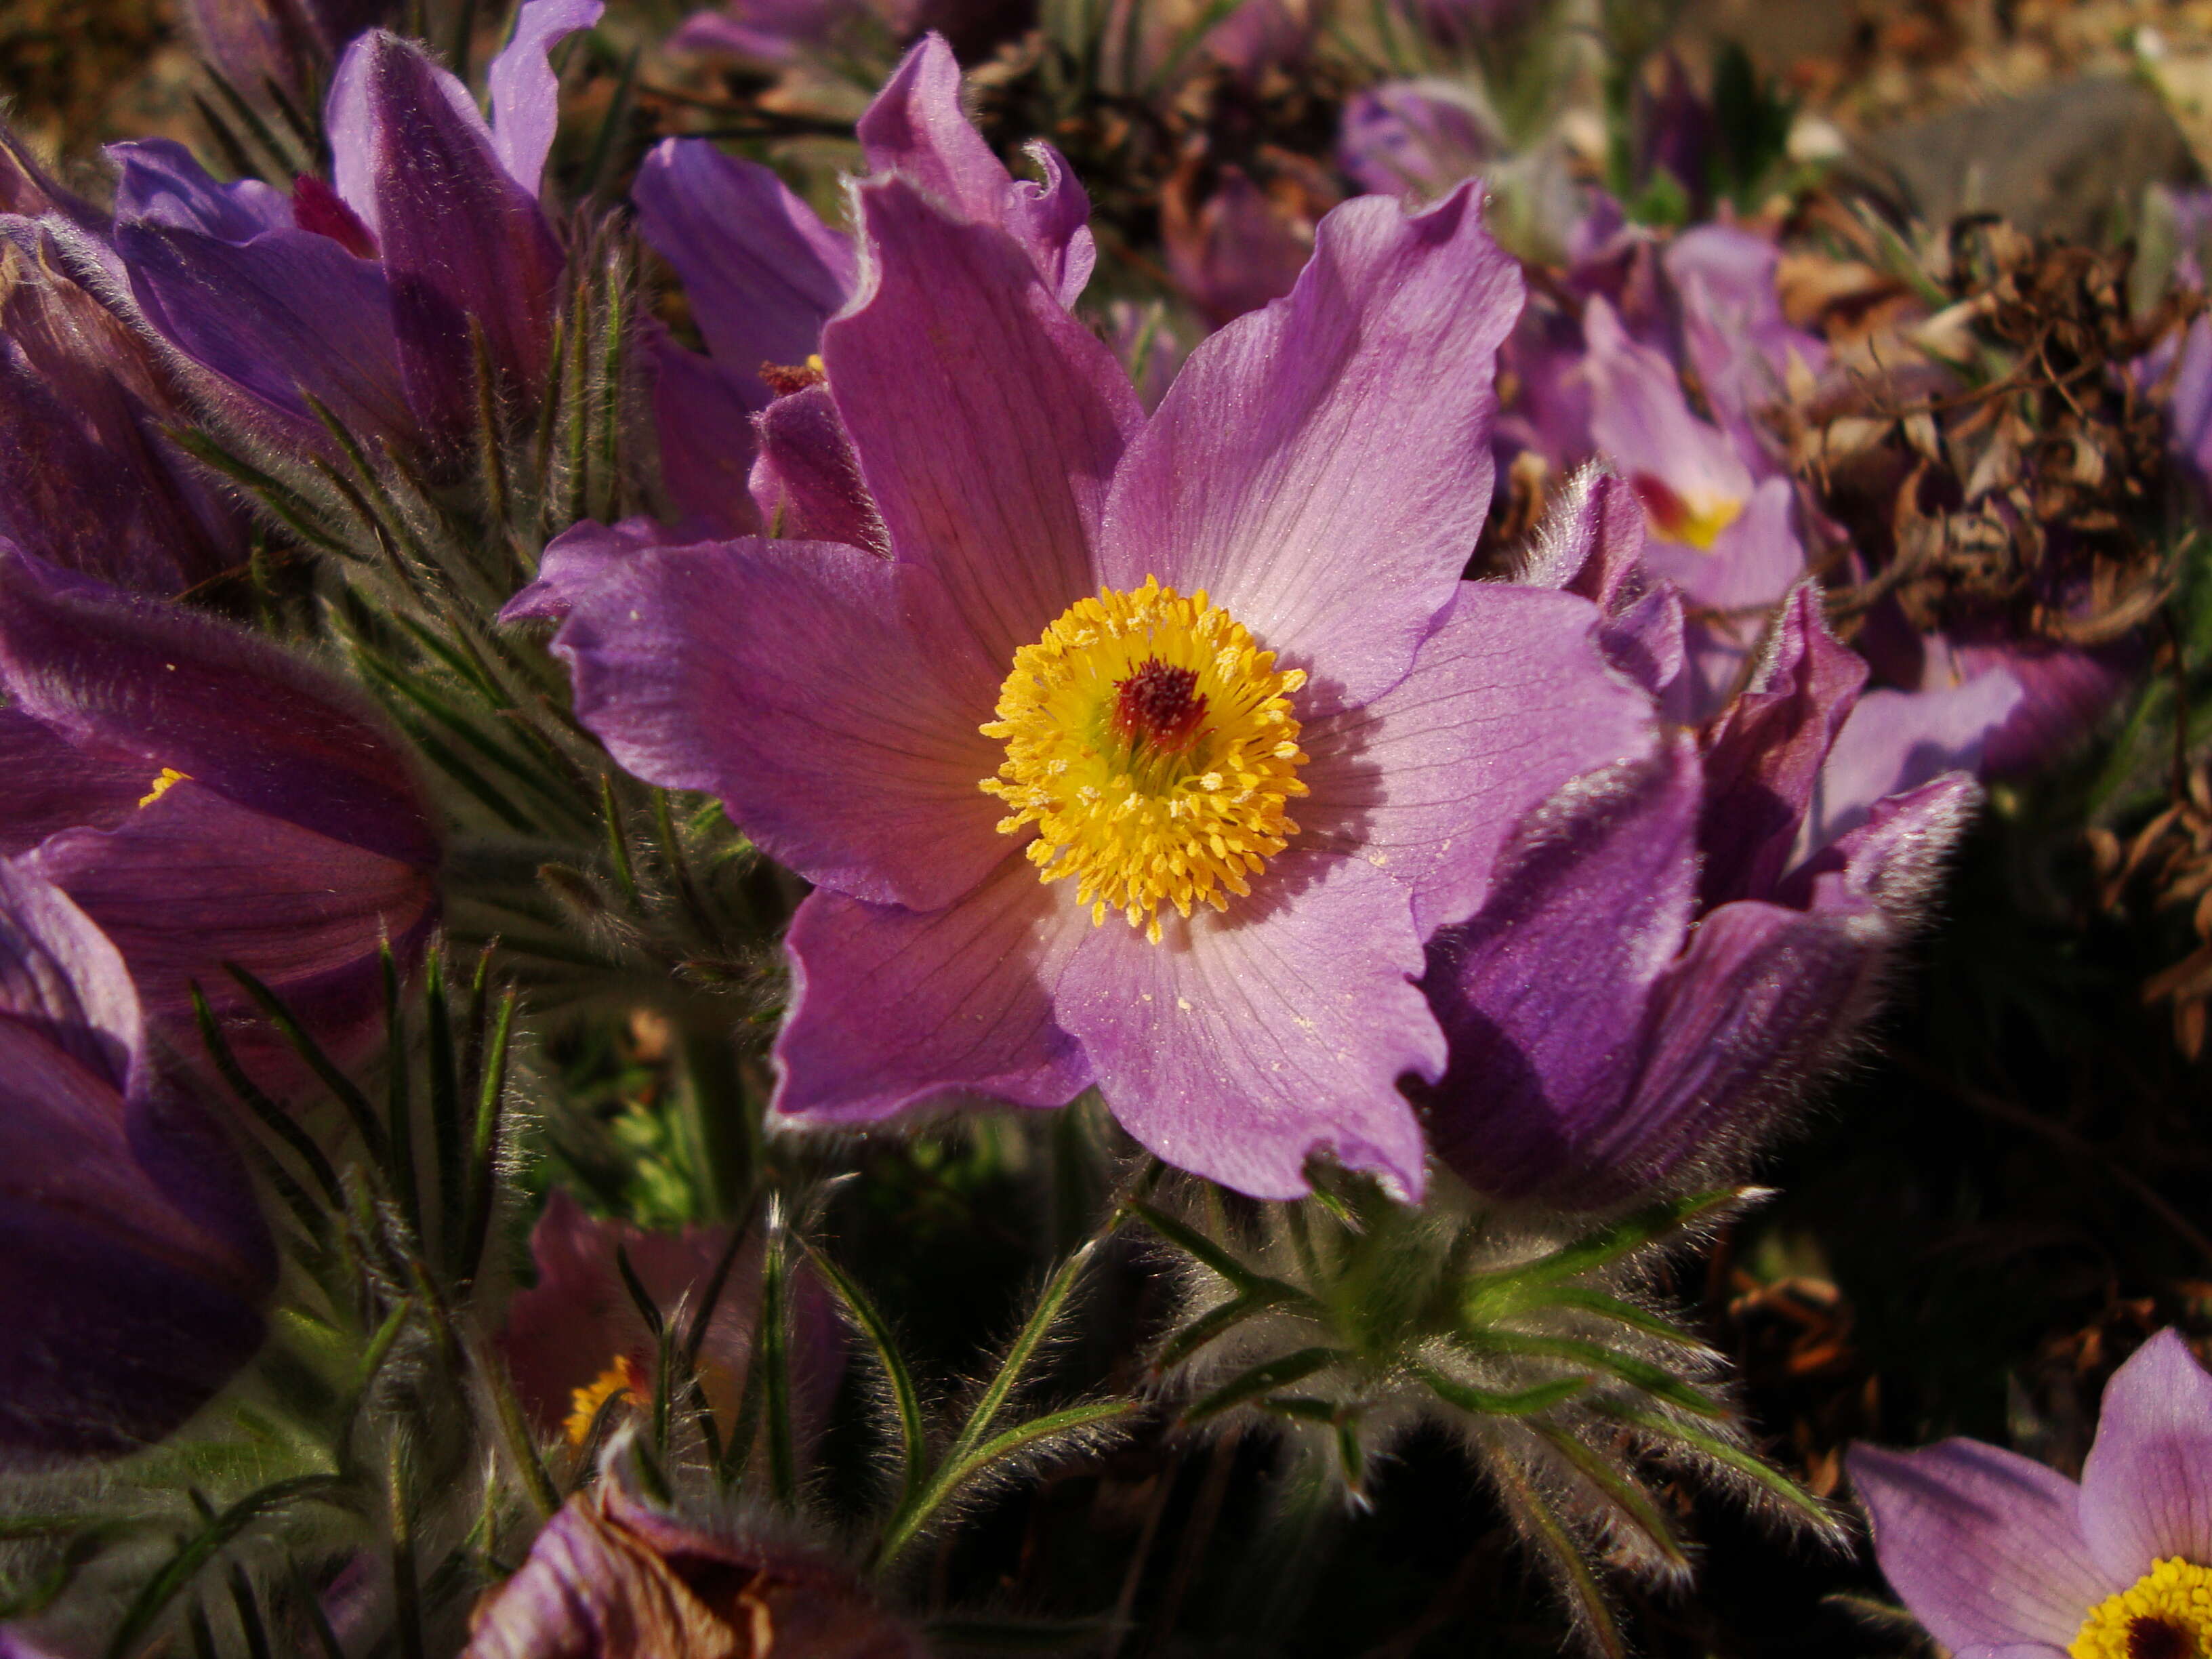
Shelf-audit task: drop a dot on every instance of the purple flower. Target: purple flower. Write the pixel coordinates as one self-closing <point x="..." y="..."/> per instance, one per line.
<point x="363" y="292"/>
<point x="762" y="274"/>
<point x="1218" y="667"/>
<point x="611" y="1578"/>
<point x="2002" y="1559"/>
<point x="206" y="799"/>
<point x="86" y="480"/>
<point x="1235" y="250"/>
<point x="1422" y="137"/>
<point x="133" y="1260"/>
<point x="1666" y="957"/>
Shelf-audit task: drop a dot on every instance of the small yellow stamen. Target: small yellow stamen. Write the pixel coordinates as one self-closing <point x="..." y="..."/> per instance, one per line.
<point x="623" y="1379"/>
<point x="1698" y="518"/>
<point x="170" y="778"/>
<point x="2165" y="1614"/>
<point x="1152" y="744"/>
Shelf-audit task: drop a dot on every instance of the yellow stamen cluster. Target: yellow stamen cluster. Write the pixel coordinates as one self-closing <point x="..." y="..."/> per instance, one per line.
<point x="2165" y="1614"/>
<point x="170" y="778"/>
<point x="623" y="1379"/>
<point x="1152" y="744"/>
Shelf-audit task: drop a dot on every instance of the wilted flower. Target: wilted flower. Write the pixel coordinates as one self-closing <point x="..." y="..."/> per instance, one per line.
<point x="86" y="480"/>
<point x="206" y="797"/>
<point x="613" y="1577"/>
<point x="2002" y="1559"/>
<point x="133" y="1260"/>
<point x="576" y="1339"/>
<point x="1675" y="946"/>
<point x="1125" y="652"/>
<point x="368" y="293"/>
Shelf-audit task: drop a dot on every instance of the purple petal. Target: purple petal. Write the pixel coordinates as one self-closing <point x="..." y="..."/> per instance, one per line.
<point x="86" y="480"/>
<point x="987" y="420"/>
<point x="761" y="271"/>
<point x="192" y="881"/>
<point x="2146" y="1488"/>
<point x="1236" y="251"/>
<point x="893" y="1008"/>
<point x="461" y="240"/>
<point x="1766" y="754"/>
<point x="1508" y="700"/>
<point x="802" y="682"/>
<point x="916" y="127"/>
<point x="1590" y="542"/>
<point x="1322" y="468"/>
<point x="60" y="975"/>
<point x="133" y="1257"/>
<point x="1733" y="329"/>
<point x="162" y="182"/>
<point x="702" y="414"/>
<point x="2063" y="694"/>
<point x="1422" y="137"/>
<point x="1543" y="996"/>
<point x="526" y="94"/>
<point x="1982" y="1545"/>
<point x="576" y="561"/>
<point x="1733" y="590"/>
<point x="27" y="190"/>
<point x="53" y="785"/>
<point x="1243" y="1042"/>
<point x="1687" y="474"/>
<point x="1895" y="861"/>
<point x="807" y="481"/>
<point x="124" y="677"/>
<point x="1895" y="741"/>
<point x="287" y="315"/>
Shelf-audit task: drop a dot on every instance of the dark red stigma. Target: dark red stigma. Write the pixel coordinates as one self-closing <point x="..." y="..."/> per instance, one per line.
<point x="2150" y="1636"/>
<point x="1158" y="705"/>
<point x="318" y="208"/>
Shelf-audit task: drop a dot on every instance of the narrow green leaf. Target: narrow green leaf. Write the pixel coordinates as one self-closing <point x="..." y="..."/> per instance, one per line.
<point x="284" y="502"/>
<point x="1263" y="1378"/>
<point x="1219" y="1320"/>
<point x="483" y="1144"/>
<point x="1608" y="1243"/>
<point x="162" y="1587"/>
<point x="246" y="1601"/>
<point x="279" y="1121"/>
<point x="1487" y="1403"/>
<point x="775" y="1342"/>
<point x="400" y="1109"/>
<point x="1616" y="1311"/>
<point x="1586" y="1596"/>
<point x="1622" y="1491"/>
<point x="1639" y="1374"/>
<point x="957" y="1472"/>
<point x="449" y="1136"/>
<point x="914" y="1447"/>
<point x="1192" y="1242"/>
<point x="1749" y="1464"/>
<point x="341" y="1087"/>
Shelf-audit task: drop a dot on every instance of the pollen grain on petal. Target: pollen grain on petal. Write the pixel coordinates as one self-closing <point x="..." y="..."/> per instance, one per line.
<point x="1152" y="745"/>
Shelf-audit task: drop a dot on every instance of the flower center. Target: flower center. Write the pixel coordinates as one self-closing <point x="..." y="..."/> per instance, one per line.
<point x="1696" y="520"/>
<point x="2165" y="1614"/>
<point x="170" y="778"/>
<point x="625" y="1379"/>
<point x="1152" y="745"/>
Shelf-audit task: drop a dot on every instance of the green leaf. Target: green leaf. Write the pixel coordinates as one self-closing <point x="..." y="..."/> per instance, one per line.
<point x="1772" y="1481"/>
<point x="914" y="1446"/>
<point x="1620" y="1490"/>
<point x="1217" y="1322"/>
<point x="197" y="1552"/>
<point x="1260" y="1379"/>
<point x="1488" y="1402"/>
<point x="1578" y="1582"/>
<point x="1639" y="1374"/>
<point x="1607" y="1244"/>
<point x="341" y="1087"/>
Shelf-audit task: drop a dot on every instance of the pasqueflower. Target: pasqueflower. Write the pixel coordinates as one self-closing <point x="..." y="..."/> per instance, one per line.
<point x="368" y="293"/>
<point x="1676" y="946"/>
<point x="133" y="1260"/>
<point x="207" y="798"/>
<point x="1157" y="748"/>
<point x="2002" y="1559"/>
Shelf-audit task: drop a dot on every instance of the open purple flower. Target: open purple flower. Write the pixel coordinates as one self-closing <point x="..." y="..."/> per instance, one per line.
<point x="1214" y="677"/>
<point x="365" y="293"/>
<point x="2002" y="1559"/>
<point x="206" y="797"/>
<point x="133" y="1260"/>
<point x="1670" y="952"/>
